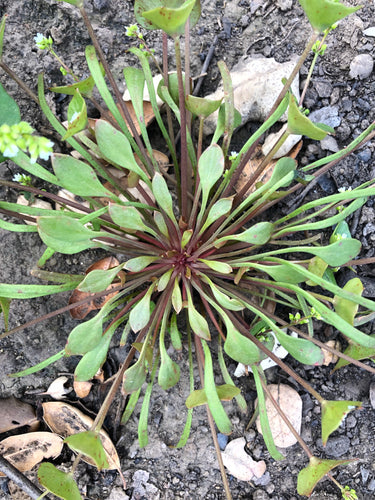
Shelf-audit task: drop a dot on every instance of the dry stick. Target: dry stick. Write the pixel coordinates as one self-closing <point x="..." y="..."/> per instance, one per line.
<point x="19" y="82"/>
<point x="200" y="358"/>
<point x="205" y="66"/>
<point x="20" y="479"/>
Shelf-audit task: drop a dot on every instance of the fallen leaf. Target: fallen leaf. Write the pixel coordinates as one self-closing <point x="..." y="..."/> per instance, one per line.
<point x="81" y="311"/>
<point x="57" y="389"/>
<point x="66" y="420"/>
<point x="329" y="357"/>
<point x="26" y="450"/>
<point x="14" y="413"/>
<point x="254" y="163"/>
<point x="239" y="463"/>
<point x="291" y="404"/>
<point x="82" y="389"/>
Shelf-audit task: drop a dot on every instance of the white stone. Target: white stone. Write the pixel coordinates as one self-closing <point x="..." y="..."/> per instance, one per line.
<point x="256" y="84"/>
<point x="271" y="140"/>
<point x="239" y="463"/>
<point x="361" y="66"/>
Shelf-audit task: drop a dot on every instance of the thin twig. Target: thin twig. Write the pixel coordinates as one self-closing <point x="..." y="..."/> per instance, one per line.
<point x="20" y="479"/>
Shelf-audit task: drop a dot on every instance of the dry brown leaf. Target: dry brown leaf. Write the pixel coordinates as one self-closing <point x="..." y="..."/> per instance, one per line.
<point x="329" y="357"/>
<point x="14" y="413"/>
<point x="82" y="389"/>
<point x="26" y="450"/>
<point x="81" y="311"/>
<point x="254" y="163"/>
<point x="291" y="404"/>
<point x="66" y="420"/>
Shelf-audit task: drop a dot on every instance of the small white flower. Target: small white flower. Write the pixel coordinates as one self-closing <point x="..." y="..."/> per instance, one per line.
<point x="10" y="151"/>
<point x="17" y="177"/>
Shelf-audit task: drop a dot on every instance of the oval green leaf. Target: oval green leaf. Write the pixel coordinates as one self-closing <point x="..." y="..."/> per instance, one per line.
<point x="85" y="336"/>
<point x="333" y="414"/>
<point x="57" y="482"/>
<point x="322" y="14"/>
<point x="299" y="124"/>
<point x="89" y="444"/>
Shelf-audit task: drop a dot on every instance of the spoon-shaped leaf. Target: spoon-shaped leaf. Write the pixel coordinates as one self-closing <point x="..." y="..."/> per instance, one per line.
<point x="344" y="307"/>
<point x="85" y="336"/>
<point x="162" y="195"/>
<point x="129" y="218"/>
<point x="210" y="168"/>
<point x="139" y="263"/>
<point x="309" y="477"/>
<point x="134" y="377"/>
<point x="77" y="115"/>
<point x="99" y="279"/>
<point x="240" y="348"/>
<point x="200" y="106"/>
<point x="355" y="351"/>
<point x="302" y="350"/>
<point x="89" y="444"/>
<point x="116" y="148"/>
<point x="323" y="13"/>
<point x="77" y="176"/>
<point x="169" y="371"/>
<point x="258" y="234"/>
<point x="225" y="392"/>
<point x="140" y="314"/>
<point x="171" y="21"/>
<point x="57" y="482"/>
<point x="299" y="124"/>
<point x="333" y="414"/>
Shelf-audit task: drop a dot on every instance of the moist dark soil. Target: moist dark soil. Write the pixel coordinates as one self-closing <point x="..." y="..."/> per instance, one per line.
<point x="272" y="29"/>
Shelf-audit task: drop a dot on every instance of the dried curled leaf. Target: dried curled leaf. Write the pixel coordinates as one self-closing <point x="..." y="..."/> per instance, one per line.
<point x="26" y="450"/>
<point x="14" y="413"/>
<point x="66" y="420"/>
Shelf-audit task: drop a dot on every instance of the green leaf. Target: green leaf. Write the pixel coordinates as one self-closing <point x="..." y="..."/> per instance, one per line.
<point x="264" y="423"/>
<point x="345" y="308"/>
<point x="220" y="127"/>
<point x="141" y="6"/>
<point x="200" y="106"/>
<point x="240" y="348"/>
<point x="299" y="124"/>
<point x="2" y="30"/>
<point x="169" y="371"/>
<point x="175" y="334"/>
<point x="57" y="482"/>
<point x="176" y="297"/>
<point x="116" y="148"/>
<point x="333" y="414"/>
<point x="143" y="417"/>
<point x="280" y="273"/>
<point x="76" y="3"/>
<point x="220" y="267"/>
<point x="318" y="267"/>
<point x="302" y="350"/>
<point x="31" y="291"/>
<point x="241" y="402"/>
<point x="322" y="14"/>
<point x="128" y="218"/>
<point x="309" y="477"/>
<point x="337" y="254"/>
<point x="197" y="322"/>
<point x="132" y="401"/>
<point x="164" y="280"/>
<point x="282" y="169"/>
<point x="186" y="237"/>
<point x="139" y="263"/>
<point x="341" y="231"/>
<point x="89" y="444"/>
<point x="85" y="336"/>
<point x="225" y="392"/>
<point x="210" y="168"/>
<point x="357" y="352"/>
<point x="93" y="360"/>
<point x="85" y="87"/>
<point x="171" y="20"/>
<point x="99" y="280"/>
<point x="77" y="176"/>
<point x="218" y="209"/>
<point x="258" y="234"/>
<point x="213" y="400"/>
<point x="222" y="298"/>
<point x="39" y="366"/>
<point x="9" y="110"/>
<point x="65" y="234"/>
<point x="4" y="308"/>
<point x="140" y="314"/>
<point x="162" y="195"/>
<point x="134" y="377"/>
<point x="77" y="115"/>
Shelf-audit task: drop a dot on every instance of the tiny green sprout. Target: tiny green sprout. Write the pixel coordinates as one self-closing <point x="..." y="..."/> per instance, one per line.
<point x="349" y="493"/>
<point x="315" y="314"/>
<point x="319" y="48"/>
<point x="42" y="42"/>
<point x="133" y="31"/>
<point x="23" y="179"/>
<point x="63" y="71"/>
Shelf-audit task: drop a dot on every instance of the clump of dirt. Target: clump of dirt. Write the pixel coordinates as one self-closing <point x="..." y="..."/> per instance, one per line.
<point x="268" y="29"/>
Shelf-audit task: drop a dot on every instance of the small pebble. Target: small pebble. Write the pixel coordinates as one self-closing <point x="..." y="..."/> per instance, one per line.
<point x="336" y="447"/>
<point x="222" y="440"/>
<point x="364" y="155"/>
<point x="328" y="115"/>
<point x="361" y="66"/>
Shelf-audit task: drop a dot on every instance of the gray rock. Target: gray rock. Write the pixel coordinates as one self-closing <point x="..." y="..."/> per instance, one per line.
<point x="328" y="115"/>
<point x="361" y="66"/>
<point x="324" y="89"/>
<point x="329" y="143"/>
<point x="284" y="4"/>
<point x="336" y="447"/>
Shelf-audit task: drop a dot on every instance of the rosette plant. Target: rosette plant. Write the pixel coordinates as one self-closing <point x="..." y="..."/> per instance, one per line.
<point x="198" y="261"/>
